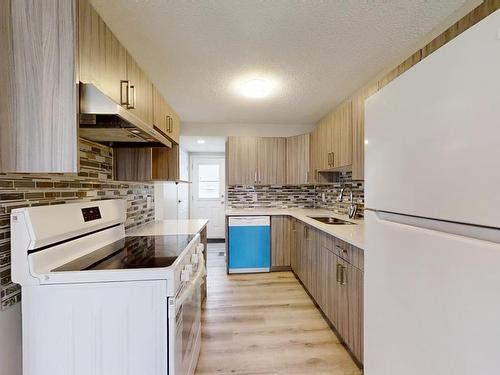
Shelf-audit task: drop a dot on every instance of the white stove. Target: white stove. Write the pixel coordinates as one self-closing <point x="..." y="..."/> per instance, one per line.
<point x="96" y="301"/>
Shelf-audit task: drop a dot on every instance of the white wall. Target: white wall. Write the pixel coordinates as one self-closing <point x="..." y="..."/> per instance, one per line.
<point x="10" y="341"/>
<point x="257" y="130"/>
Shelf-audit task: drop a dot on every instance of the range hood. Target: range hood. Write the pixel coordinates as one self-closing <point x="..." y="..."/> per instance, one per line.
<point x="104" y="121"/>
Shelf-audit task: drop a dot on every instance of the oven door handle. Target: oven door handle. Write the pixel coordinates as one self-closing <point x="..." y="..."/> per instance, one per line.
<point x="188" y="290"/>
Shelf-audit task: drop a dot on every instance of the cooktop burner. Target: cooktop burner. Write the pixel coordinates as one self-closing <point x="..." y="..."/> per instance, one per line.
<point x="132" y="252"/>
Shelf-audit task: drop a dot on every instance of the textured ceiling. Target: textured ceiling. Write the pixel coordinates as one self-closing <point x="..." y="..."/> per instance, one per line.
<point x="212" y="144"/>
<point x="317" y="52"/>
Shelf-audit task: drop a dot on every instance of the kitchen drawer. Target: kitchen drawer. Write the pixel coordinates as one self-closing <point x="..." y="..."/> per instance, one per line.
<point x="349" y="253"/>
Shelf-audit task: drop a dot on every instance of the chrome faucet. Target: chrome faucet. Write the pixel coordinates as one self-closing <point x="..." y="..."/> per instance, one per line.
<point x="353" y="207"/>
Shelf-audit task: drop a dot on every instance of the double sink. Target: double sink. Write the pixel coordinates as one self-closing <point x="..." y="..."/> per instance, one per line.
<point x="331" y="220"/>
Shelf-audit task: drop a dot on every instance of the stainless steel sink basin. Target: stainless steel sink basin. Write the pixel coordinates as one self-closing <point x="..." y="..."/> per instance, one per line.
<point x="331" y="220"/>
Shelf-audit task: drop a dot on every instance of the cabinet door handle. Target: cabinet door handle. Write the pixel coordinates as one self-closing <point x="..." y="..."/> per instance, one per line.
<point x="344" y="277"/>
<point x="123" y="92"/>
<point x="131" y="97"/>
<point x="339" y="270"/>
<point x="255" y="177"/>
<point x="170" y="128"/>
<point x="333" y="159"/>
<point x="306" y="232"/>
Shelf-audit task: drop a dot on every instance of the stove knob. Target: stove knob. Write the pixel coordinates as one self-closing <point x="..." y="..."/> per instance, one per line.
<point x="194" y="258"/>
<point x="185" y="275"/>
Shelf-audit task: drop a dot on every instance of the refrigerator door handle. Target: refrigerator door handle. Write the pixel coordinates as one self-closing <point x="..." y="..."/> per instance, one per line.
<point x="460" y="229"/>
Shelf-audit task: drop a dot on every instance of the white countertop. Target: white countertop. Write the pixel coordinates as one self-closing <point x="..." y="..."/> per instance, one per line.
<point x="169" y="227"/>
<point x="353" y="234"/>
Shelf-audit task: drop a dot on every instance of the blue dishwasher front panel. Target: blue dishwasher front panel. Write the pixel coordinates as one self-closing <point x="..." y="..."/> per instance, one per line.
<point x="249" y="244"/>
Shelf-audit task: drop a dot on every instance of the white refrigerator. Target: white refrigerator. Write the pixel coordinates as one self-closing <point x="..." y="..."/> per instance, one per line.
<point x="432" y="256"/>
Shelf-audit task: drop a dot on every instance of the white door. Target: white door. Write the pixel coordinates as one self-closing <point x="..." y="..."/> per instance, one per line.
<point x="207" y="192"/>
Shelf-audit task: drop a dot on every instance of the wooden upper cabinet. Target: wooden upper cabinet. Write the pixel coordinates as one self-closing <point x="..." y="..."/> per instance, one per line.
<point x="140" y="92"/>
<point x="242" y="160"/>
<point x="175" y="126"/>
<point x="173" y="123"/>
<point x="164" y="117"/>
<point x="297" y="159"/>
<point x="102" y="58"/>
<point x="331" y="142"/>
<point x="256" y="161"/>
<point x="146" y="164"/>
<point x="318" y="151"/>
<point x="358" y="131"/>
<point x="38" y="101"/>
<point x="271" y="159"/>
<point x="159" y="111"/>
<point x="342" y="136"/>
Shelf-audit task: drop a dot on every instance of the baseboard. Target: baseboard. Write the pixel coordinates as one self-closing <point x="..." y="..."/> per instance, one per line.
<point x="280" y="268"/>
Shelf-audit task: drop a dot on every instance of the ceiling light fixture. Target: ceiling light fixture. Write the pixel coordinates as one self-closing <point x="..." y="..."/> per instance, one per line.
<point x="256" y="88"/>
<point x="200" y="141"/>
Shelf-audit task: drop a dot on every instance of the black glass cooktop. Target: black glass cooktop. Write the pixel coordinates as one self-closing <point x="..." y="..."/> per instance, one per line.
<point x="132" y="252"/>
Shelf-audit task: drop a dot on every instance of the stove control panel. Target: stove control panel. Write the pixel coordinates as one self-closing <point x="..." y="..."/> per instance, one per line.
<point x="91" y="213"/>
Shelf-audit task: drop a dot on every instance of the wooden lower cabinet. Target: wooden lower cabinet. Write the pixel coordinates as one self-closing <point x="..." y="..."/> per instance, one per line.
<point x="335" y="284"/>
<point x="281" y="228"/>
<point x="355" y="313"/>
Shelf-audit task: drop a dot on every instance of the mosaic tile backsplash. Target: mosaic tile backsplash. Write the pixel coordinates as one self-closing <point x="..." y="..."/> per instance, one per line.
<point x="94" y="182"/>
<point x="304" y="196"/>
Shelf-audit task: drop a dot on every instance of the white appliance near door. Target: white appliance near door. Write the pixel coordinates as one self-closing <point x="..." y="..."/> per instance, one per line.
<point x="432" y="259"/>
<point x="171" y="200"/>
<point x="208" y="192"/>
<point x="172" y="197"/>
<point x="96" y="301"/>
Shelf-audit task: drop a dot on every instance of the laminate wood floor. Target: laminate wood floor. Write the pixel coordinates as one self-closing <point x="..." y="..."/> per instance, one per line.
<point x="265" y="324"/>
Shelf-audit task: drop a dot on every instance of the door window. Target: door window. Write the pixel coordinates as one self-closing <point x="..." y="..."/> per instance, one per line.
<point x="208" y="181"/>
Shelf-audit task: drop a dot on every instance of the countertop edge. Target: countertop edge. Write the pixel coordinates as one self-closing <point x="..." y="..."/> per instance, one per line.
<point x="303" y="218"/>
<point x="169" y="227"/>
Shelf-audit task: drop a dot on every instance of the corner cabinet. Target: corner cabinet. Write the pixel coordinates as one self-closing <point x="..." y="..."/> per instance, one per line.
<point x="38" y="104"/>
<point x="297" y="160"/>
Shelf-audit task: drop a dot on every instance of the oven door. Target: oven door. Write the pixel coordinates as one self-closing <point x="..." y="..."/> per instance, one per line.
<point x="184" y="334"/>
